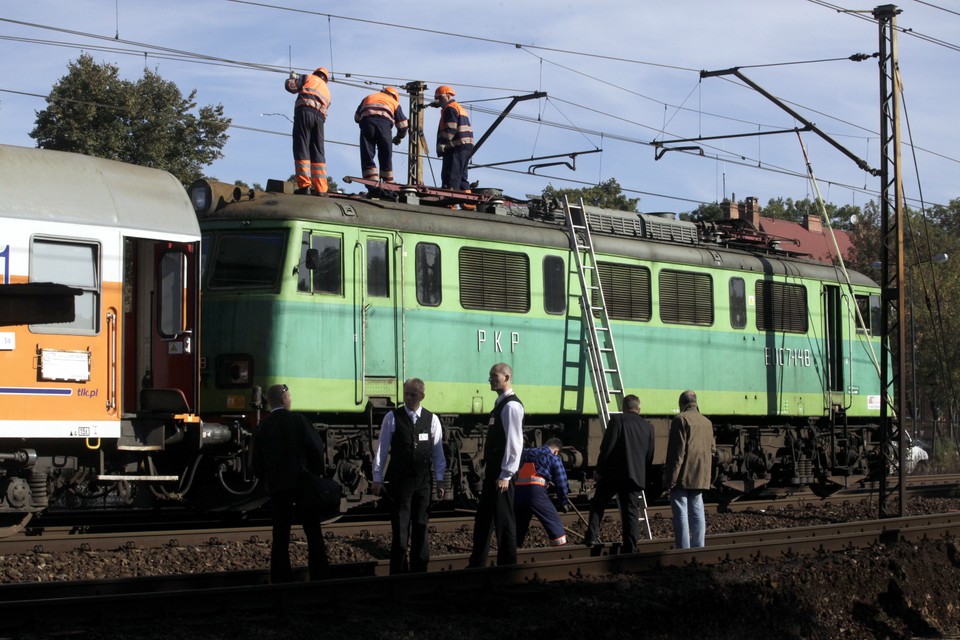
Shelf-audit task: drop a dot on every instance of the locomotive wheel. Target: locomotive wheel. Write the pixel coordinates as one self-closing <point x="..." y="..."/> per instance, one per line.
<point x="13" y="523"/>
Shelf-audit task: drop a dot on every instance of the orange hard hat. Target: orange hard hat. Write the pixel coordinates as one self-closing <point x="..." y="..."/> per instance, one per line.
<point x="442" y="89"/>
<point x="392" y="92"/>
<point x="322" y="71"/>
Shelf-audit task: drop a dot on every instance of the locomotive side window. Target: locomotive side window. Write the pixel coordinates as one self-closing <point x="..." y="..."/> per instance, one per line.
<point x="494" y="280"/>
<point x="378" y="268"/>
<point x="554" y="285"/>
<point x="686" y="298"/>
<point x="781" y="307"/>
<point x="870" y="311"/>
<point x="738" y="303"/>
<point x="247" y="260"/>
<point x="76" y="264"/>
<point x="328" y="276"/>
<point x="626" y="290"/>
<point x="429" y="289"/>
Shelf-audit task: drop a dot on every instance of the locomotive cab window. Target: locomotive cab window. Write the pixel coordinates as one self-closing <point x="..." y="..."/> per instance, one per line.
<point x="378" y="268"/>
<point x="626" y="290"/>
<point x="686" y="298"/>
<point x="554" y="285"/>
<point x="429" y="290"/>
<point x="781" y="307"/>
<point x="76" y="264"/>
<point x="494" y="280"/>
<point x="870" y="311"/>
<point x="738" y="303"/>
<point x="326" y="276"/>
<point x="247" y="260"/>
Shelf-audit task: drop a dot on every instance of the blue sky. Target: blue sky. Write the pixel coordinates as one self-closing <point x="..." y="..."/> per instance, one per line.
<point x="619" y="74"/>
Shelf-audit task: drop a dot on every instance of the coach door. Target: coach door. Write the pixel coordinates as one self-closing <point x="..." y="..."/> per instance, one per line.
<point x="378" y="292"/>
<point x="160" y="325"/>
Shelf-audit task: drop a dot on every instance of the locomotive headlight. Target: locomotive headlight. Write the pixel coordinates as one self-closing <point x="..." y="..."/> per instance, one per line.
<point x="234" y="370"/>
<point x="200" y="193"/>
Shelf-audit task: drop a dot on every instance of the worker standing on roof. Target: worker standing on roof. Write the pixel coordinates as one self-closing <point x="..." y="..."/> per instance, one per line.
<point x="309" y="114"/>
<point x="376" y="115"/>
<point x="454" y="140"/>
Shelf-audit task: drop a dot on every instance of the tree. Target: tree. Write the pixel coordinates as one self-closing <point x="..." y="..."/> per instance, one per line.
<point x="91" y="110"/>
<point x="608" y="195"/>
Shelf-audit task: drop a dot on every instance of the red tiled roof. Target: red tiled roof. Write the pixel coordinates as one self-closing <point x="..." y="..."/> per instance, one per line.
<point x="817" y="245"/>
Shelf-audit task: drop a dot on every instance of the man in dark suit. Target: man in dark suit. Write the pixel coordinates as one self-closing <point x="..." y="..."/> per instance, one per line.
<point x="286" y="448"/>
<point x="625" y="453"/>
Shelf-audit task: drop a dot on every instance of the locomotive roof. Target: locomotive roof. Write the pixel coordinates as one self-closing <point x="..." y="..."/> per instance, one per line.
<point x="612" y="231"/>
<point x="55" y="186"/>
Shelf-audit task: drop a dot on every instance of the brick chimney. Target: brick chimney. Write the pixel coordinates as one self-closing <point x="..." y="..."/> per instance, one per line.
<point x="751" y="211"/>
<point x="813" y="224"/>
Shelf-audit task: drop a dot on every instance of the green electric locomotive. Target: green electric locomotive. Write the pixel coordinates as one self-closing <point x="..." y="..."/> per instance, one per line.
<point x="343" y="297"/>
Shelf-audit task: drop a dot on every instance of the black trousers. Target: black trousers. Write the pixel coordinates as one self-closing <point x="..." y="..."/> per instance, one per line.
<point x="284" y="505"/>
<point x="629" y="498"/>
<point x="409" y="515"/>
<point x="494" y="515"/>
<point x="453" y="171"/>
<point x="375" y="141"/>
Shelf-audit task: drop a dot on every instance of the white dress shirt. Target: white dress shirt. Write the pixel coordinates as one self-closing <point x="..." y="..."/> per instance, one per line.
<point x="512" y="417"/>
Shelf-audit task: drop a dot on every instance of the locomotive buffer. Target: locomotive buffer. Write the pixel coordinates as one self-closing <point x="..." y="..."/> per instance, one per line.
<point x="600" y="347"/>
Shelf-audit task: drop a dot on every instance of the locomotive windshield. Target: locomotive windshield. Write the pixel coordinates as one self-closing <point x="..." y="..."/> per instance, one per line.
<point x="246" y="260"/>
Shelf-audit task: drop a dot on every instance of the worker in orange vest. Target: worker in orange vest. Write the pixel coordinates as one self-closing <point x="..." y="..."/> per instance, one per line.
<point x="454" y="141"/>
<point x="309" y="115"/>
<point x="377" y="115"/>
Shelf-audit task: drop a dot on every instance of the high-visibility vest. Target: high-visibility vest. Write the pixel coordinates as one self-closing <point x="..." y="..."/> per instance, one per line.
<point x="312" y="91"/>
<point x="527" y="475"/>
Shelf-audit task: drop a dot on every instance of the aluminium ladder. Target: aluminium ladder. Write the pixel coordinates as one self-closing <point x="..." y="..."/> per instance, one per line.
<point x="601" y="349"/>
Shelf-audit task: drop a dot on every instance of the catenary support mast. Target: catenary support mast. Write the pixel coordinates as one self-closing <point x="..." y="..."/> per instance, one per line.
<point x="892" y="327"/>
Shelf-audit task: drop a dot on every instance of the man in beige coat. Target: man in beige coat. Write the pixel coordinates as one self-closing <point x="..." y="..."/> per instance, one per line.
<point x="687" y="471"/>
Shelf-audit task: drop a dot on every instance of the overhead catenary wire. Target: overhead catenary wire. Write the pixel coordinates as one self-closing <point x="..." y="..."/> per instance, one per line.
<point x="175" y="54"/>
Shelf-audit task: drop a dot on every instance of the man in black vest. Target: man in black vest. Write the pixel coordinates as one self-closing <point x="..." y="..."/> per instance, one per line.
<point x="625" y="453"/>
<point x="501" y="459"/>
<point x="413" y="437"/>
<point x="285" y="448"/>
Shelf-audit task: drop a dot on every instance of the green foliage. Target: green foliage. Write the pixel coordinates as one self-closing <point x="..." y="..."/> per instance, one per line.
<point x="608" y="195"/>
<point x="91" y="110"/>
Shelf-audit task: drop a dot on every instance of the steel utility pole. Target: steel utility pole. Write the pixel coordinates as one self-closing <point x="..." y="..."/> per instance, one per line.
<point x="892" y="327"/>
<point x="415" y="137"/>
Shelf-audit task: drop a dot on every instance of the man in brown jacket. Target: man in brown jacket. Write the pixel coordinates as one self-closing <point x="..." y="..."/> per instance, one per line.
<point x="687" y="471"/>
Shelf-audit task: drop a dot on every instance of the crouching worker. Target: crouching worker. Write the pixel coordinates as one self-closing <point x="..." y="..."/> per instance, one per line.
<point x="540" y="469"/>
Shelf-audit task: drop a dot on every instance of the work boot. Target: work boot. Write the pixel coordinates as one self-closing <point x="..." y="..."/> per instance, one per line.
<point x="303" y="191"/>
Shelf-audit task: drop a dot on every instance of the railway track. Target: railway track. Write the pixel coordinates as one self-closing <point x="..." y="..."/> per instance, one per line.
<point x="190" y="531"/>
<point x="26" y="606"/>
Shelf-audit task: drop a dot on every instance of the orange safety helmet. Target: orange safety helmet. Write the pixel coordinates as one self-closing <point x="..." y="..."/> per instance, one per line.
<point x="442" y="89"/>
<point x="392" y="92"/>
<point x="322" y="72"/>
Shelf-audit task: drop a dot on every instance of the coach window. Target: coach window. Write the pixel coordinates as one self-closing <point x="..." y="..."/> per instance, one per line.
<point x="626" y="290"/>
<point x="378" y="268"/>
<point x="494" y="280"/>
<point x="429" y="289"/>
<point x="172" y="289"/>
<point x="686" y="298"/>
<point x="781" y="307"/>
<point x="328" y="276"/>
<point x="554" y="285"/>
<point x="738" y="303"/>
<point x="76" y="264"/>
